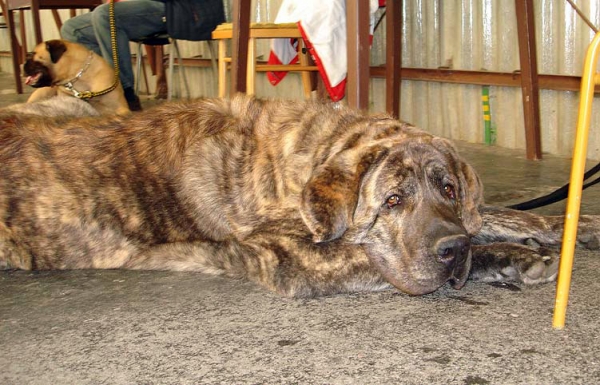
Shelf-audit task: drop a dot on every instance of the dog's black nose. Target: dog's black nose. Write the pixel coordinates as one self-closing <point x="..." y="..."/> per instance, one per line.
<point x="452" y="248"/>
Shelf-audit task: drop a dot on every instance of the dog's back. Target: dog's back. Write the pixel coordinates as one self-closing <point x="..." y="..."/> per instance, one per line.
<point x="80" y="193"/>
<point x="93" y="193"/>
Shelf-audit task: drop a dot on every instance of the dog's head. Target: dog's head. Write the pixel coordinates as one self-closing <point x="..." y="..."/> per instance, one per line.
<point x="407" y="198"/>
<point x="39" y="68"/>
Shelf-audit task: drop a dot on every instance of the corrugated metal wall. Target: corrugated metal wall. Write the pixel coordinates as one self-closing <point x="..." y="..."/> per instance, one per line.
<point x="460" y="34"/>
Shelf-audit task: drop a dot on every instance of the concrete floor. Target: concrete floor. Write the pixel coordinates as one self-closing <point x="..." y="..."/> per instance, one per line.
<point x="123" y="327"/>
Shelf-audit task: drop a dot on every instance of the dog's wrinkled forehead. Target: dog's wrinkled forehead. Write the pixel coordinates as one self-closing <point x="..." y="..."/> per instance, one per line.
<point x="419" y="157"/>
<point x="413" y="166"/>
<point x="49" y="51"/>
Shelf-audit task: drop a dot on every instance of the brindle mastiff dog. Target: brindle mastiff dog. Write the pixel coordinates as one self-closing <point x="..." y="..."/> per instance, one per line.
<point x="300" y="197"/>
<point x="62" y="67"/>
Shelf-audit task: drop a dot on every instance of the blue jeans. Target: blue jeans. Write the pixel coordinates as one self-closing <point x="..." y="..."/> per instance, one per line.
<point x="133" y="19"/>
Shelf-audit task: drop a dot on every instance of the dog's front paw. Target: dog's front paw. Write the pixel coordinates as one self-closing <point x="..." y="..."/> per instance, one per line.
<point x="537" y="266"/>
<point x="503" y="262"/>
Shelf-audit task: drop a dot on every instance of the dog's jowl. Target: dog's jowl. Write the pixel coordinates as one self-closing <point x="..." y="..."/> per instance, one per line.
<point x="300" y="197"/>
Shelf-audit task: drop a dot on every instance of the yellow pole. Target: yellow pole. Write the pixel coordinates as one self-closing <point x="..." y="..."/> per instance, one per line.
<point x="588" y="81"/>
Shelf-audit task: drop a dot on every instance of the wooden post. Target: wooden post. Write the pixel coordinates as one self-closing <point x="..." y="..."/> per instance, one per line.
<point x="357" y="25"/>
<point x="529" y="78"/>
<point x="240" y="16"/>
<point x="393" y="41"/>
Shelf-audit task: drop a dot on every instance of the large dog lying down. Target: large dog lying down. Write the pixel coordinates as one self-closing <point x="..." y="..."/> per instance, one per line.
<point x="301" y="197"/>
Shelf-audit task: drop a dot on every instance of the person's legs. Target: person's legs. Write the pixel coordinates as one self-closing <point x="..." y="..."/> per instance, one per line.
<point x="79" y="29"/>
<point x="133" y="19"/>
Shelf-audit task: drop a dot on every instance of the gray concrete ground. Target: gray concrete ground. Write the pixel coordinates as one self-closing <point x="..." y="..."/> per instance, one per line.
<point x="123" y="327"/>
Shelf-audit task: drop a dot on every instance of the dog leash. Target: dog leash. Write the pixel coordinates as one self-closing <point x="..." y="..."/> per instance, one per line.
<point x="556" y="195"/>
<point x="562" y="192"/>
<point x="113" y="41"/>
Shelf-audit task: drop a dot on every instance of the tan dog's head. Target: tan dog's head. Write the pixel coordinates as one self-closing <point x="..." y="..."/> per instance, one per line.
<point x="39" y="68"/>
<point x="408" y="199"/>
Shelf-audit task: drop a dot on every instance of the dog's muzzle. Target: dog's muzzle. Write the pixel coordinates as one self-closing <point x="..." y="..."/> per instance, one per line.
<point x="37" y="74"/>
<point x="455" y="252"/>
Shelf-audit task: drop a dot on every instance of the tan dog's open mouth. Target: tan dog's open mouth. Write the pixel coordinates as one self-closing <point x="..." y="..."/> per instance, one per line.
<point x="32" y="80"/>
<point x="37" y="74"/>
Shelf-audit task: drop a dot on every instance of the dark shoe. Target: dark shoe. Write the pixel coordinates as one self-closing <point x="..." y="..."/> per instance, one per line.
<point x="134" y="104"/>
<point x="132" y="100"/>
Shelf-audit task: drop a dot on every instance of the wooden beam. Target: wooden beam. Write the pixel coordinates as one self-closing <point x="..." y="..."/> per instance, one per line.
<point x="440" y="75"/>
<point x="484" y="78"/>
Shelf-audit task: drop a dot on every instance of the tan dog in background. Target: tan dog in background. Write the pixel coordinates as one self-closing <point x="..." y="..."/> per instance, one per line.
<point x="56" y="63"/>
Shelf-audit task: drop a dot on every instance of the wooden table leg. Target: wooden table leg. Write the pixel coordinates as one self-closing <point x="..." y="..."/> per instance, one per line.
<point x="240" y="16"/>
<point x="57" y="20"/>
<point x="529" y="78"/>
<point x="393" y="66"/>
<point x="23" y="34"/>
<point x="3" y="8"/>
<point x="357" y="25"/>
<point x="16" y="50"/>
<point x="37" y="26"/>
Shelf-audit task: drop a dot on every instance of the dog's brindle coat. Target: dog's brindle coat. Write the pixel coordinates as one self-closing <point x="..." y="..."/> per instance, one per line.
<point x="301" y="197"/>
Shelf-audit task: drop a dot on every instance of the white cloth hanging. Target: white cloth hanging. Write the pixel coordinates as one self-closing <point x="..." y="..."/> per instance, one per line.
<point x="322" y="23"/>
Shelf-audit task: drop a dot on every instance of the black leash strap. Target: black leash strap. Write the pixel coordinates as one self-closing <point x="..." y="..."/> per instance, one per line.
<point x="556" y="195"/>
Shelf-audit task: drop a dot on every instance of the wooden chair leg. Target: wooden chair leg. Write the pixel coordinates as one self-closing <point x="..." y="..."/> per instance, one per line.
<point x="306" y="78"/>
<point x="171" y="77"/>
<point x="23" y="33"/>
<point x="393" y="70"/>
<point x="251" y="68"/>
<point x="57" y="20"/>
<point x="16" y="51"/>
<point x="138" y="69"/>
<point x="240" y="17"/>
<point x="222" y="68"/>
<point x="357" y="85"/>
<point x="180" y="68"/>
<point x="213" y="56"/>
<point x="145" y="75"/>
<point x="37" y="24"/>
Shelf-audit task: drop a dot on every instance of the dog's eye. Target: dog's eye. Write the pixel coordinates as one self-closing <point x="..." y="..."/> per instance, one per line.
<point x="392" y="201"/>
<point x="449" y="191"/>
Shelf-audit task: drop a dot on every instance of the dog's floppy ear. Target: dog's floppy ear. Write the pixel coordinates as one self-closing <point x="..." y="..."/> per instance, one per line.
<point x="330" y="195"/>
<point x="470" y="189"/>
<point x="56" y="49"/>
<point x="471" y="193"/>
